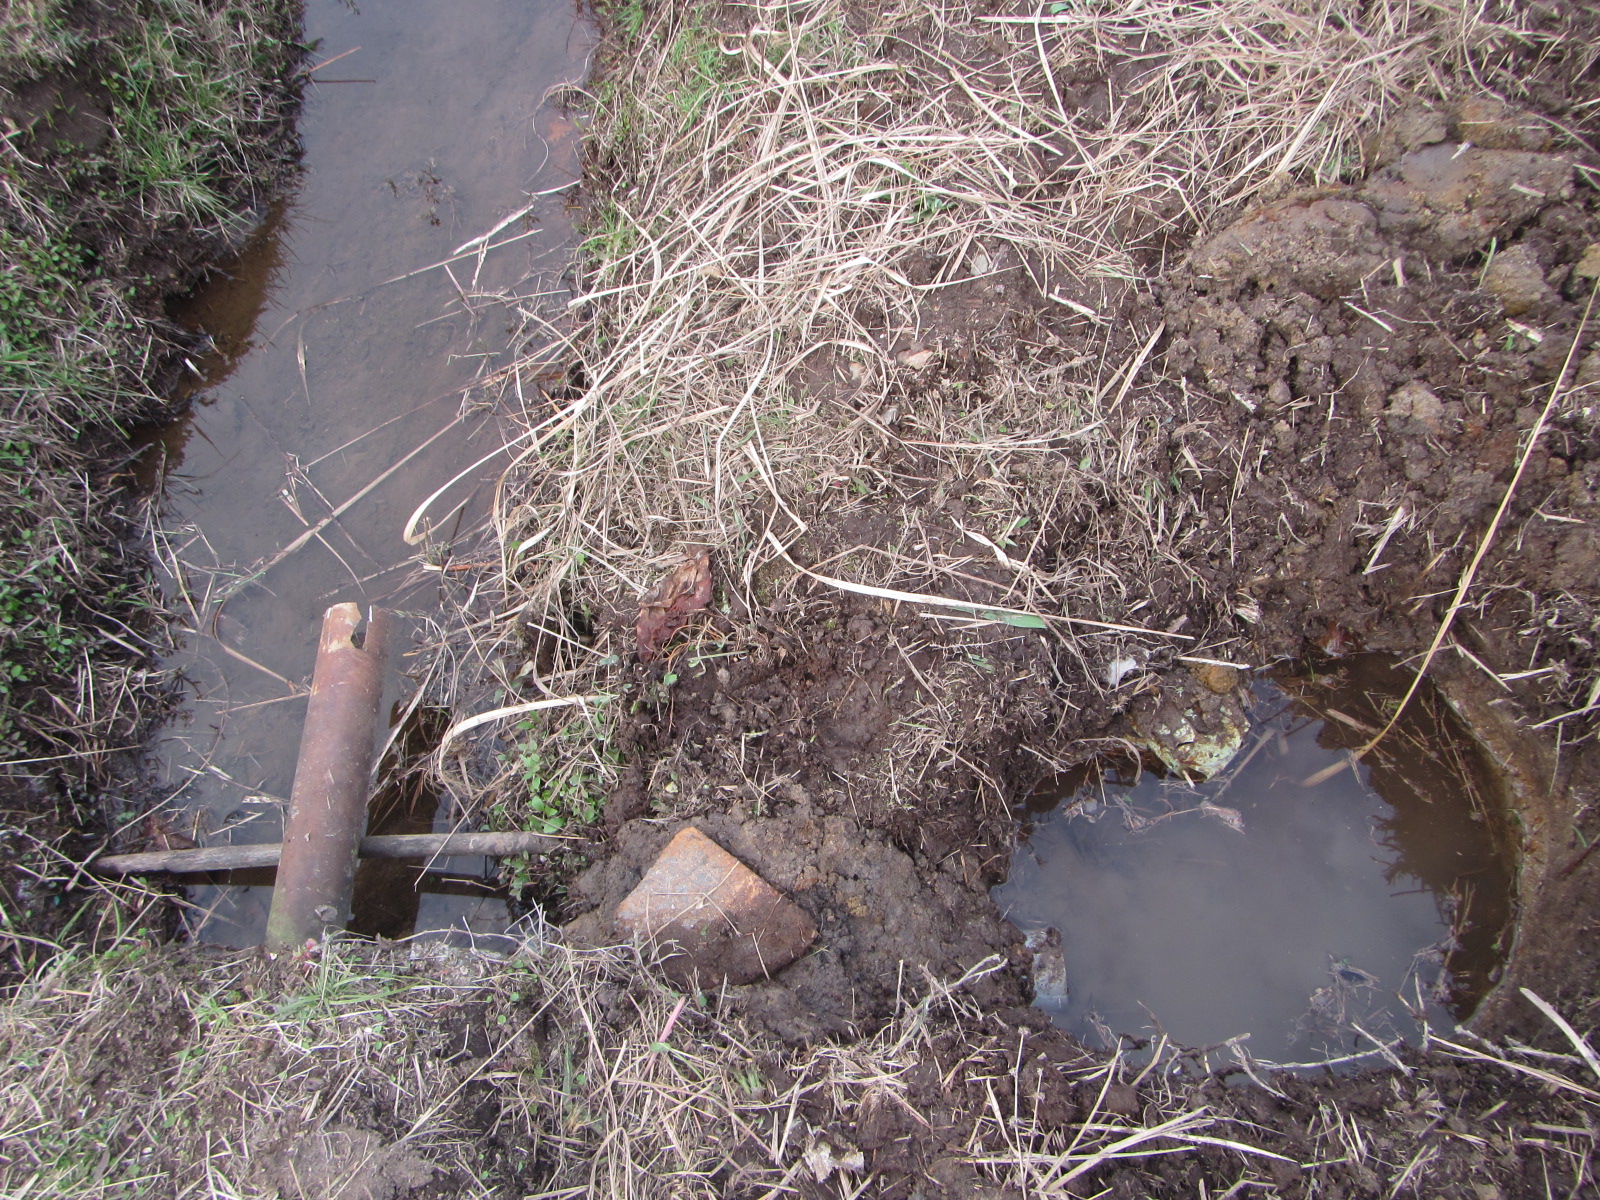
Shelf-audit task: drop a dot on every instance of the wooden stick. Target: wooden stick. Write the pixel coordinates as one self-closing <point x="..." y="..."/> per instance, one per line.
<point x="390" y="845"/>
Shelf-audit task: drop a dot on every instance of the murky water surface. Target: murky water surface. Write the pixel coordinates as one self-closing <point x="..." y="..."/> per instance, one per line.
<point x="1307" y="917"/>
<point x="334" y="400"/>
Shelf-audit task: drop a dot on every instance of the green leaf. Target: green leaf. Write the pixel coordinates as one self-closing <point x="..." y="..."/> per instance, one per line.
<point x="1015" y="619"/>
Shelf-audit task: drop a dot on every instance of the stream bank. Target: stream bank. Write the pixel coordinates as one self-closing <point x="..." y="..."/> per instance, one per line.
<point x="143" y="139"/>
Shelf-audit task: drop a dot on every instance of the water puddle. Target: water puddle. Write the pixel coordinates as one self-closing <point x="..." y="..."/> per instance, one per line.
<point x="355" y="344"/>
<point x="1319" y="919"/>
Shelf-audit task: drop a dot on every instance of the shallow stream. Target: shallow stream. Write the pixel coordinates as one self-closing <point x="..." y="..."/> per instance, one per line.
<point x="353" y="339"/>
<point x="1318" y="917"/>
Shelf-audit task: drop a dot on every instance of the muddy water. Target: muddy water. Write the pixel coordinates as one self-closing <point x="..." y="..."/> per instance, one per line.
<point x="1256" y="904"/>
<point x="347" y="359"/>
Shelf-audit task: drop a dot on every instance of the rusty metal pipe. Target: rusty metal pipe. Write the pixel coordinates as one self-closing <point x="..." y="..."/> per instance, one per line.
<point x="382" y="845"/>
<point x="328" y="806"/>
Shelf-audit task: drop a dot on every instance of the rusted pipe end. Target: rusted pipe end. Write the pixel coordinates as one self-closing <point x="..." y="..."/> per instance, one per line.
<point x="328" y="807"/>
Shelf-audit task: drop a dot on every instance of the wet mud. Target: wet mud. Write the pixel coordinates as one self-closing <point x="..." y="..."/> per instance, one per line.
<point x="1344" y="381"/>
<point x="342" y="379"/>
<point x="883" y="922"/>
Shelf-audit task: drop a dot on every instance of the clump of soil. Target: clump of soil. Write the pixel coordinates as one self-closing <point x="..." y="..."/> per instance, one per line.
<point x="881" y="915"/>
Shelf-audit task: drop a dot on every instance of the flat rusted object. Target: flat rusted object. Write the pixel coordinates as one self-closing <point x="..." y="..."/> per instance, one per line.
<point x="667" y="607"/>
<point x="714" y="918"/>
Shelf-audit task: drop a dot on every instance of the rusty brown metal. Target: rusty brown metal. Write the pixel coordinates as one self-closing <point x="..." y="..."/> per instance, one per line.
<point x="383" y="845"/>
<point x="328" y="807"/>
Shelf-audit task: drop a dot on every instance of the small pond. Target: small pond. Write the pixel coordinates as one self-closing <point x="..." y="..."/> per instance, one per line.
<point x="1317" y="915"/>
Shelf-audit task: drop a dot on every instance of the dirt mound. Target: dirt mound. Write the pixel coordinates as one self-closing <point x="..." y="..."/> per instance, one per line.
<point x="887" y="922"/>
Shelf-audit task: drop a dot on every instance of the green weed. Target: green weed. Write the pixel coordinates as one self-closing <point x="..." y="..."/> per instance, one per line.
<point x="630" y="17"/>
<point x="35" y="36"/>
<point x="563" y="775"/>
<point x="612" y="235"/>
<point x="698" y="57"/>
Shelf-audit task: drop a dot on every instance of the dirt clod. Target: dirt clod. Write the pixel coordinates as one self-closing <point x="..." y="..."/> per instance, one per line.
<point x="1451" y="199"/>
<point x="347" y="1164"/>
<point x="1414" y="407"/>
<point x="1325" y="247"/>
<point x="1516" y="279"/>
<point x="1492" y="123"/>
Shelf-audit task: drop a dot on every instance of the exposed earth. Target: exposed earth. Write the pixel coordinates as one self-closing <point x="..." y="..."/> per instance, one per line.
<point x="1331" y="401"/>
<point x="1340" y="368"/>
<point x="1345" y="381"/>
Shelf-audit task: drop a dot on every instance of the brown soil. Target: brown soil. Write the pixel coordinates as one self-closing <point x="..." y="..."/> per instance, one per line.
<point x="880" y="914"/>
<point x="1296" y="427"/>
<point x="1329" y="359"/>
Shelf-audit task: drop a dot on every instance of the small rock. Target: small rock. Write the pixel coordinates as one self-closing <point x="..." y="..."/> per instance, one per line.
<point x="726" y="922"/>
<point x="1192" y="730"/>
<point x="1413" y="407"/>
<point x="1049" y="968"/>
<point x="1485" y="121"/>
<point x="1119" y="669"/>
<point x="918" y="359"/>
<point x="824" y="1160"/>
<point x="1588" y="267"/>
<point x="1516" y="279"/>
<point x="1215" y="677"/>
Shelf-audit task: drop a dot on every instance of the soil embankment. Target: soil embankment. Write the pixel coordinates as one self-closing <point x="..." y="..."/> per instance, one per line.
<point x="142" y="141"/>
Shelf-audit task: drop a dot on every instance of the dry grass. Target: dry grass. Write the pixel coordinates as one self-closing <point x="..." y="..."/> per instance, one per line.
<point x="554" y="1072"/>
<point x="797" y="216"/>
<point x="790" y="199"/>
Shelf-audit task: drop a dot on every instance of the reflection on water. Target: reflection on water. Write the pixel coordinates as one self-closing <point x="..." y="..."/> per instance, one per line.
<point x="394" y="897"/>
<point x="1307" y="917"/>
<point x="341" y="386"/>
